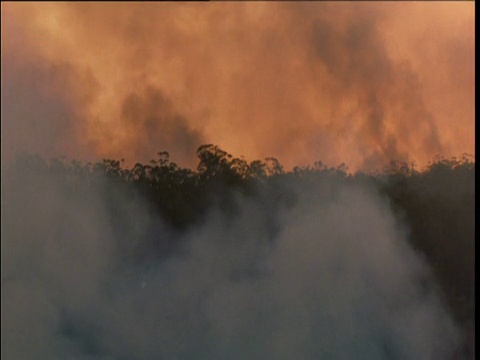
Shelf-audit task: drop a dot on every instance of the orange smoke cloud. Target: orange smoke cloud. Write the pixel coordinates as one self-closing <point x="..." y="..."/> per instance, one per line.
<point x="360" y="83"/>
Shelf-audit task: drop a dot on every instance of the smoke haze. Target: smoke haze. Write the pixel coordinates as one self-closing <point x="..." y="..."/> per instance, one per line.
<point x="265" y="264"/>
<point x="359" y="83"/>
<point x="327" y="275"/>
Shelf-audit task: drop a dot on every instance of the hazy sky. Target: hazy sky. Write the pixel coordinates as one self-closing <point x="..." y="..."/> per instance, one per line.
<point x="360" y="83"/>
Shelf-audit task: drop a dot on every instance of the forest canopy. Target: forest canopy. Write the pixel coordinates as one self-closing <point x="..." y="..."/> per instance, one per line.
<point x="435" y="204"/>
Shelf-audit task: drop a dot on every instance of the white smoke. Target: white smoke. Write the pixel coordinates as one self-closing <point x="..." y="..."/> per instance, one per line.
<point x="330" y="277"/>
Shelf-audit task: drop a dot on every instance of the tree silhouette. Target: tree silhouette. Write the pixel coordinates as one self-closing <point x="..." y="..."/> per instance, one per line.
<point x="437" y="204"/>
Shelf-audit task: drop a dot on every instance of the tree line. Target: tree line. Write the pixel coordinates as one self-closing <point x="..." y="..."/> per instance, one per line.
<point x="437" y="204"/>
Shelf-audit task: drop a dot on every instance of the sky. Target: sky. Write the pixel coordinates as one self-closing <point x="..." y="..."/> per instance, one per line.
<point x="341" y="82"/>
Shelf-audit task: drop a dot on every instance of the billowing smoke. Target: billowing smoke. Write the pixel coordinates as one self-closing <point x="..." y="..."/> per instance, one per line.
<point x="327" y="274"/>
<point x="202" y="269"/>
<point x="373" y="81"/>
<point x="151" y="117"/>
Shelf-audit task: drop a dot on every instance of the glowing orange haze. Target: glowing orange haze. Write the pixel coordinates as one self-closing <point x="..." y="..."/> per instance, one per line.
<point x="360" y="83"/>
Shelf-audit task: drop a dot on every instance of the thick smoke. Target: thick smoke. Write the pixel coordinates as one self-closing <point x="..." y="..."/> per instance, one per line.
<point x="292" y="80"/>
<point x="88" y="268"/>
<point x="356" y="57"/>
<point x="328" y="275"/>
<point x="36" y="116"/>
<point x="152" y="118"/>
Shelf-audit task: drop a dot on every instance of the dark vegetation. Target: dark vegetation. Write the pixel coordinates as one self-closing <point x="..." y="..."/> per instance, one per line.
<point x="436" y="204"/>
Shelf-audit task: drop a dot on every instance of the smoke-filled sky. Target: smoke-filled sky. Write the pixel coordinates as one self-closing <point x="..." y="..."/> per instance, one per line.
<point x="360" y="83"/>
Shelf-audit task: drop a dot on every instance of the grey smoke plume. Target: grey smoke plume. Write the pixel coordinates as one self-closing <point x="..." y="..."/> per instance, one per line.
<point x="150" y="113"/>
<point x="331" y="277"/>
